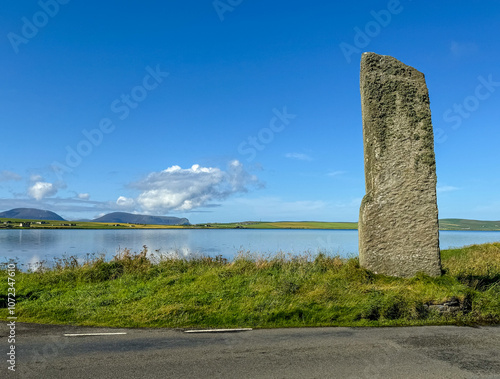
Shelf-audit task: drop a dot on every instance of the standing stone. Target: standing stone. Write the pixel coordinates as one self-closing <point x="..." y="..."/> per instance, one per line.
<point x="398" y="219"/>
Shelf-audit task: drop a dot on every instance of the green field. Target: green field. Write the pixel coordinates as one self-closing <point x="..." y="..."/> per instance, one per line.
<point x="239" y="225"/>
<point x="138" y="290"/>
<point x="282" y="225"/>
<point x="76" y="225"/>
<point x="460" y="224"/>
<point x="444" y="224"/>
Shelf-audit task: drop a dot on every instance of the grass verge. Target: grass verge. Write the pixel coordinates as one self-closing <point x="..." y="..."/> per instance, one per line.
<point x="143" y="290"/>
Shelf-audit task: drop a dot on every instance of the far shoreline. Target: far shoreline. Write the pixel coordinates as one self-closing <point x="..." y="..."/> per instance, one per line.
<point x="23" y="224"/>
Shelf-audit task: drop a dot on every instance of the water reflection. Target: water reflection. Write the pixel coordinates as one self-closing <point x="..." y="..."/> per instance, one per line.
<point x="34" y="245"/>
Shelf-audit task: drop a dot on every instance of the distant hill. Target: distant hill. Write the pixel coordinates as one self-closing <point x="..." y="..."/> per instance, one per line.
<point x="461" y="224"/>
<point x="31" y="214"/>
<point x="129" y="218"/>
<point x="122" y="217"/>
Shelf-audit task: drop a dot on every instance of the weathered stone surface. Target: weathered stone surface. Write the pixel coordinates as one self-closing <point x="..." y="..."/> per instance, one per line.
<point x="398" y="220"/>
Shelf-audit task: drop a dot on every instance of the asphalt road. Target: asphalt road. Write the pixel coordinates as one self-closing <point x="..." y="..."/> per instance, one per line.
<point x="417" y="352"/>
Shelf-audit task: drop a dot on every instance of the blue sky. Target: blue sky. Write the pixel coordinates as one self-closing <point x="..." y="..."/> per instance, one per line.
<point x="233" y="110"/>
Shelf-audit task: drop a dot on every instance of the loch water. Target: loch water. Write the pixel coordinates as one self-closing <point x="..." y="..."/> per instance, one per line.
<point x="29" y="246"/>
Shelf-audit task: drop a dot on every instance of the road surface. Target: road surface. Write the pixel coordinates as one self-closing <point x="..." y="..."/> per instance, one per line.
<point x="419" y="352"/>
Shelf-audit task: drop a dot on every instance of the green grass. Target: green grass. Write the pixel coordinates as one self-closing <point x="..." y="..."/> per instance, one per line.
<point x="140" y="290"/>
<point x="461" y="224"/>
<point x="444" y="224"/>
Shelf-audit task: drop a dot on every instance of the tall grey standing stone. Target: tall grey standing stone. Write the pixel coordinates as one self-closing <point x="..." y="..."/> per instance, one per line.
<point x="398" y="219"/>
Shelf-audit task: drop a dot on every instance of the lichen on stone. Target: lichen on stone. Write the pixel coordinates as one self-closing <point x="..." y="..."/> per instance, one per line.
<point x="398" y="228"/>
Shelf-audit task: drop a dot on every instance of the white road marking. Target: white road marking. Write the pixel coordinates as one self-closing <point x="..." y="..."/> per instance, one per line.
<point x="216" y="330"/>
<point x="92" y="334"/>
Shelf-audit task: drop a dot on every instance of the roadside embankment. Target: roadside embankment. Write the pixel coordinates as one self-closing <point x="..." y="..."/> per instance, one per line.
<point x="144" y="290"/>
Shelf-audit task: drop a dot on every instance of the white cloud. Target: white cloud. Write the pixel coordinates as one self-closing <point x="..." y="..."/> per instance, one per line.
<point x="441" y="189"/>
<point x="298" y="156"/>
<point x="184" y="189"/>
<point x="459" y="49"/>
<point x="336" y="173"/>
<point x="40" y="190"/>
<point x="36" y="178"/>
<point x="125" y="202"/>
<point x="6" y="176"/>
<point x="173" y="189"/>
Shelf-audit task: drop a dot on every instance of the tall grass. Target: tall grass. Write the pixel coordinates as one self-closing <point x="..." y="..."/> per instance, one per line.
<point x="152" y="290"/>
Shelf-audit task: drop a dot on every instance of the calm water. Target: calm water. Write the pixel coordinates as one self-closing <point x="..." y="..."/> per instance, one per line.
<point x="30" y="246"/>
